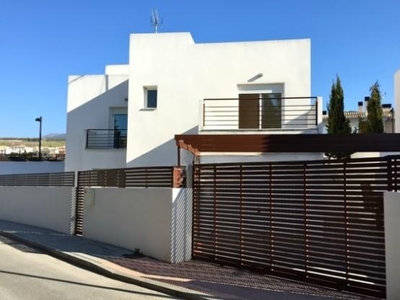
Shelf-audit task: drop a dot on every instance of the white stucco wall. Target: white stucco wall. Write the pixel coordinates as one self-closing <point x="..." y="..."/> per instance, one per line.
<point x="185" y="72"/>
<point x="397" y="97"/>
<point x="392" y="244"/>
<point x="117" y="70"/>
<point x="157" y="221"/>
<point x="46" y="207"/>
<point x="28" y="167"/>
<point x="90" y="100"/>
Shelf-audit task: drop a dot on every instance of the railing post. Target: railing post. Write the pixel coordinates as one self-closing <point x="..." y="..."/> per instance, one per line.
<point x="87" y="138"/>
<point x="305" y="219"/>
<point x="204" y="113"/>
<point x="316" y="112"/>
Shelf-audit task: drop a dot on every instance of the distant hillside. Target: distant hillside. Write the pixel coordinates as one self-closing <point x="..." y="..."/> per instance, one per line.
<point x="55" y="136"/>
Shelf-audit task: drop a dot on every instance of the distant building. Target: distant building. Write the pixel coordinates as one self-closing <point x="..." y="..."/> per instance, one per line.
<point x="354" y="116"/>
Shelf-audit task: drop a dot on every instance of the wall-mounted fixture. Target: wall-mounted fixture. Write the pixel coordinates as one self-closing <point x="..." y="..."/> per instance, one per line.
<point x="254" y="78"/>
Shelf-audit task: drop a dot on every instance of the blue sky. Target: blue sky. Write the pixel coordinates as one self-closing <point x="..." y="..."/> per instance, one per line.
<point x="44" y="41"/>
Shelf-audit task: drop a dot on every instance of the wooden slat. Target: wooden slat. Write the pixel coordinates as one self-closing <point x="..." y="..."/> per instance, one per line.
<point x="318" y="219"/>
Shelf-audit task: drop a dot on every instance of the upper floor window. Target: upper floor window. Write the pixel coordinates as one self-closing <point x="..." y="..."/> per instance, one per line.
<point x="260" y="111"/>
<point x="150" y="94"/>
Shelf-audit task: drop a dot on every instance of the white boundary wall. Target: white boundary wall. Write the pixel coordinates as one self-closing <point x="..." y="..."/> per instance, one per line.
<point x="157" y="221"/>
<point x="392" y="244"/>
<point x="25" y="167"/>
<point x="46" y="207"/>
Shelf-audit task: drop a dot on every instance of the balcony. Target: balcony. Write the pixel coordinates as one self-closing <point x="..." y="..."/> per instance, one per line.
<point x="106" y="138"/>
<point x="260" y="112"/>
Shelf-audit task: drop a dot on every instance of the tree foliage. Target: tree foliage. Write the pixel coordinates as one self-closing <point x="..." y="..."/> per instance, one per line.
<point x="374" y="121"/>
<point x="337" y="121"/>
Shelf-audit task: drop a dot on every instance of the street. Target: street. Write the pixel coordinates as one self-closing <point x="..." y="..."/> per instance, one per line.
<point x="29" y="274"/>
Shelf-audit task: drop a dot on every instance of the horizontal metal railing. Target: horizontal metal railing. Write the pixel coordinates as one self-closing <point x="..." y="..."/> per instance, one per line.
<point x="106" y="138"/>
<point x="39" y="179"/>
<point x="288" y="113"/>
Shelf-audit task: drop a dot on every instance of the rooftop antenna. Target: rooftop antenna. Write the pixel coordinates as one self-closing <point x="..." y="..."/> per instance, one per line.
<point x="155" y="20"/>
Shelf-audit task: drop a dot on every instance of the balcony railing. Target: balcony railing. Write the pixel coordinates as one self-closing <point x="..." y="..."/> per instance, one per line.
<point x="106" y="138"/>
<point x="260" y="113"/>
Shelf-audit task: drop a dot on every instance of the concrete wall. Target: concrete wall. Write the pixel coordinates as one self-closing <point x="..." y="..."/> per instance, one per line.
<point x="22" y="167"/>
<point x="90" y="101"/>
<point x="185" y="72"/>
<point x="155" y="221"/>
<point x="46" y="207"/>
<point x="397" y="97"/>
<point x="392" y="244"/>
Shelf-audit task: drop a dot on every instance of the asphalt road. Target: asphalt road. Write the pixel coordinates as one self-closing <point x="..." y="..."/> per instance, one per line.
<point x="28" y="274"/>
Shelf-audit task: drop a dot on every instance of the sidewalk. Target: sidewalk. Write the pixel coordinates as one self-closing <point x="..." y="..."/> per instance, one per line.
<point x="189" y="280"/>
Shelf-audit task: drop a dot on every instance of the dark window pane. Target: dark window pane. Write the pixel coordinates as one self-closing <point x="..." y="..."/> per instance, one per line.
<point x="249" y="111"/>
<point x="271" y="111"/>
<point x="120" y="121"/>
<point x="152" y="98"/>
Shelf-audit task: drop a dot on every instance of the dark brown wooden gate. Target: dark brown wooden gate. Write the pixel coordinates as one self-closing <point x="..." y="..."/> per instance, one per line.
<point x="316" y="221"/>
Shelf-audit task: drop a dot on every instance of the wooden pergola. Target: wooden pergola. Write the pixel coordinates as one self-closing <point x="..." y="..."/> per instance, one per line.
<point x="296" y="143"/>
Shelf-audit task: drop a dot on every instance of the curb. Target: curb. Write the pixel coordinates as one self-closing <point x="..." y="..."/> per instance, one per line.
<point x="93" y="267"/>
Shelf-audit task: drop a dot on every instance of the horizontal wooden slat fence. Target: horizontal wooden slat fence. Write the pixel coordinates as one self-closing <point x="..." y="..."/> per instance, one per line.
<point x="317" y="221"/>
<point x="39" y="179"/>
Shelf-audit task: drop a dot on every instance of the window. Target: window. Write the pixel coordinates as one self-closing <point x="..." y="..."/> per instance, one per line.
<point x="260" y="111"/>
<point x="119" y="125"/>
<point x="271" y="110"/>
<point x="120" y="121"/>
<point x="150" y="97"/>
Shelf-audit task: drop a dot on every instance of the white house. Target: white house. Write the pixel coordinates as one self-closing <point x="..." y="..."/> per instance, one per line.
<point x="128" y="116"/>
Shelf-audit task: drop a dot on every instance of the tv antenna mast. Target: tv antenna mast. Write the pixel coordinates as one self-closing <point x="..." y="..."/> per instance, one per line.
<point x="155" y="20"/>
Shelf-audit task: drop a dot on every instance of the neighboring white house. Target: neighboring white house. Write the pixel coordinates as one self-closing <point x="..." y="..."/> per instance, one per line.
<point x="128" y="117"/>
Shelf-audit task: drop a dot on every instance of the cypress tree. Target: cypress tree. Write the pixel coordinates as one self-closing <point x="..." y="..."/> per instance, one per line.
<point x="373" y="123"/>
<point x="374" y="109"/>
<point x="337" y="121"/>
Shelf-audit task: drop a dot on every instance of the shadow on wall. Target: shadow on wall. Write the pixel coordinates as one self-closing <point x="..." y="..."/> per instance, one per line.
<point x="164" y="155"/>
<point x="79" y="119"/>
<point x="181" y="227"/>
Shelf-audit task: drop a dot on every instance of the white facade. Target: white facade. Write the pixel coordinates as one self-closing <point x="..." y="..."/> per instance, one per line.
<point x="397" y="97"/>
<point x="183" y="74"/>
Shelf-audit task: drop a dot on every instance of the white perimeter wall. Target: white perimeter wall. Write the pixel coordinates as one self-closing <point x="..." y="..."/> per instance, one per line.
<point x="392" y="244"/>
<point x="25" y="167"/>
<point x="156" y="221"/>
<point x="397" y="98"/>
<point x="46" y="207"/>
<point x="90" y="98"/>
<point x="185" y="72"/>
